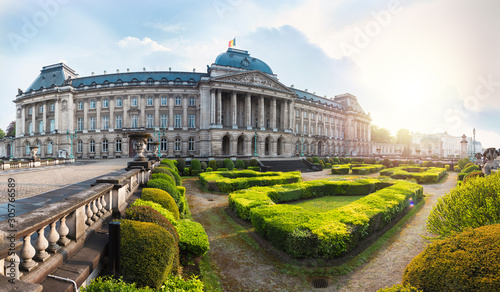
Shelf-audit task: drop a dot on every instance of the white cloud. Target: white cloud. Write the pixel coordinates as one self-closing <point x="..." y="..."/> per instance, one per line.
<point x="145" y="43"/>
<point x="166" y="27"/>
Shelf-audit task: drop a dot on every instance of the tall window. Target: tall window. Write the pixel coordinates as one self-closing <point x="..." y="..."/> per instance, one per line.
<point x="163" y="100"/>
<point x="192" y="101"/>
<point x="79" y="124"/>
<point x="305" y="129"/>
<point x="297" y="113"/>
<point x="297" y="128"/>
<point x="133" y="121"/>
<point x="177" y="100"/>
<point x="79" y="146"/>
<point x="92" y="123"/>
<point x="40" y="126"/>
<point x="92" y="104"/>
<point x="52" y="107"/>
<point x="40" y="109"/>
<point x="28" y="150"/>
<point x="92" y="146"/>
<point x="163" y="144"/>
<point x="118" y="102"/>
<point x="319" y="118"/>
<point x="312" y="130"/>
<point x="30" y="127"/>
<point x="191" y="121"/>
<point x="191" y="144"/>
<point x="49" y="147"/>
<point x="163" y="120"/>
<point x="320" y="130"/>
<point x="105" y="122"/>
<point x="105" y="145"/>
<point x="118" y="122"/>
<point x="305" y="114"/>
<point x="149" y="146"/>
<point x="39" y="145"/>
<point x="177" y="144"/>
<point x="312" y="116"/>
<point x="80" y="105"/>
<point x="118" y="145"/>
<point x="178" y="123"/>
<point x="30" y="111"/>
<point x="134" y="101"/>
<point x="52" y="125"/>
<point x="105" y="103"/>
<point x="150" y="100"/>
<point x="149" y="121"/>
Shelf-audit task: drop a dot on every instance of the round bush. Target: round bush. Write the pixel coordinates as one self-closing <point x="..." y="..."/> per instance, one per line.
<point x="161" y="197"/>
<point x="473" y="174"/>
<point x="164" y="176"/>
<point x="204" y="165"/>
<point x="195" y="165"/>
<point x="239" y="164"/>
<point x="469" y="261"/>
<point x="315" y="159"/>
<point x="169" y="187"/>
<point x="229" y="164"/>
<point x="254" y="162"/>
<point x="147" y="253"/>
<point x="157" y="207"/>
<point x="220" y="164"/>
<point x="181" y="163"/>
<point x="169" y="163"/>
<point x="193" y="240"/>
<point x="212" y="164"/>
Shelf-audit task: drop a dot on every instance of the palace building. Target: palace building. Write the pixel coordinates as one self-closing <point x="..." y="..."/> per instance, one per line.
<point x="238" y="108"/>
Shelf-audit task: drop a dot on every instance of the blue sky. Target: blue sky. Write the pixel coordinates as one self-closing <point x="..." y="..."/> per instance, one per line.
<point x="428" y="66"/>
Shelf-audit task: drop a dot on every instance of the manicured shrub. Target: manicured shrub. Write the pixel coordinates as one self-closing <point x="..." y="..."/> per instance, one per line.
<point x="212" y="164"/>
<point x="470" y="205"/>
<point x="209" y="169"/>
<point x="162" y="169"/>
<point x="468" y="261"/>
<point x="247" y="163"/>
<point x="161" y="197"/>
<point x="336" y="160"/>
<point x="195" y="165"/>
<point x="254" y="162"/>
<point x="328" y="165"/>
<point x="181" y="163"/>
<point x="171" y="189"/>
<point x="193" y="240"/>
<point x="220" y="164"/>
<point x="315" y="159"/>
<point x="360" y="170"/>
<point x="462" y="162"/>
<point x="157" y="207"/>
<point x="109" y="284"/>
<point x="187" y="171"/>
<point x="473" y="175"/>
<point x="179" y="284"/>
<point x="222" y="169"/>
<point x="169" y="163"/>
<point x="164" y="176"/>
<point x="148" y="214"/>
<point x="254" y="168"/>
<point x="400" y="288"/>
<point x="309" y="159"/>
<point x="239" y="164"/>
<point x="229" y="164"/>
<point x="144" y="242"/>
<point x="340" y="169"/>
<point x="447" y="167"/>
<point x="194" y="172"/>
<point x="204" y="165"/>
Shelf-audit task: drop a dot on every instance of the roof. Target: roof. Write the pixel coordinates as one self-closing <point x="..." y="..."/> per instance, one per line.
<point x="52" y="75"/>
<point x="314" y="97"/>
<point x="241" y="59"/>
<point x="138" y="77"/>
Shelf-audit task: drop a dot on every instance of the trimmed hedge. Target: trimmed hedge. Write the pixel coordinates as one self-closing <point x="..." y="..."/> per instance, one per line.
<point x="468" y="169"/>
<point x="229" y="164"/>
<point x="157" y="207"/>
<point x="421" y="174"/>
<point x="171" y="189"/>
<point x="363" y="169"/>
<point x="341" y="169"/>
<point x="229" y="181"/>
<point x="472" y="175"/>
<point x="193" y="240"/>
<point x="254" y="168"/>
<point x="400" y="288"/>
<point x="109" y="284"/>
<point x="212" y="164"/>
<point x="239" y="164"/>
<point x="195" y="165"/>
<point x="302" y="233"/>
<point x="161" y="197"/>
<point x="146" y="243"/>
<point x="469" y="261"/>
<point x="164" y="176"/>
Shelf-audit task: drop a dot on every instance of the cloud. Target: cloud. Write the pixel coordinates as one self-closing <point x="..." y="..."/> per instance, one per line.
<point x="145" y="43"/>
<point x="166" y="27"/>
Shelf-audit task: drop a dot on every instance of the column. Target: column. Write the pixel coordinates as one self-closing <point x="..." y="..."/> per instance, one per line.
<point x="284" y="113"/>
<point x="112" y="125"/>
<point x="44" y="117"/>
<point x="291" y="116"/>
<point x="184" y="115"/>
<point x="212" y="107"/>
<point x="301" y="128"/>
<point x="248" y="111"/>
<point x="23" y="122"/>
<point x="157" y="111"/>
<point x="170" y="115"/>
<point x="125" y="107"/>
<point x="98" y="118"/>
<point x="56" y="115"/>
<point x="261" y="113"/>
<point x="219" y="107"/>
<point x="234" y="110"/>
<point x="142" y="115"/>
<point x="85" y="115"/>
<point x="33" y="119"/>
<point x="273" y="114"/>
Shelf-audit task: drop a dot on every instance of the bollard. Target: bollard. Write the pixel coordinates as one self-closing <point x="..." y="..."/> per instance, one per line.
<point x="114" y="248"/>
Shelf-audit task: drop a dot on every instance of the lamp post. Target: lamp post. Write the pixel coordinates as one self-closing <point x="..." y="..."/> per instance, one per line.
<point x="159" y="136"/>
<point x="71" y="136"/>
<point x="255" y="150"/>
<point x="302" y="145"/>
<point x="11" y="149"/>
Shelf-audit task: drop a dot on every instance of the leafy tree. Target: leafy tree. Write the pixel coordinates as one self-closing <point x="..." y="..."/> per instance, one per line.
<point x="381" y="135"/>
<point x="403" y="137"/>
<point x="11" y="129"/>
<point x="2" y="134"/>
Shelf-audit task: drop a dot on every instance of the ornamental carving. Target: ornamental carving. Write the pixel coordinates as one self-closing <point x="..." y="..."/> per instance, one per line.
<point x="254" y="79"/>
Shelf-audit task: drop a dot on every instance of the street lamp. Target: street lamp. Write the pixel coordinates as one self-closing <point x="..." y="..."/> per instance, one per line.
<point x="71" y="136"/>
<point x="255" y="150"/>
<point x="11" y="149"/>
<point x="159" y="136"/>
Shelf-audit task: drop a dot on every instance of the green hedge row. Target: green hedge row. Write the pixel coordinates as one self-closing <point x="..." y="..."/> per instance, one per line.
<point x="363" y="169"/>
<point x="420" y="174"/>
<point x="302" y="233"/>
<point x="468" y="169"/>
<point x="228" y="181"/>
<point x="341" y="169"/>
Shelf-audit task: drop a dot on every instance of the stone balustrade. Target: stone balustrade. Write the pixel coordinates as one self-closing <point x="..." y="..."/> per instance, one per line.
<point x="27" y="164"/>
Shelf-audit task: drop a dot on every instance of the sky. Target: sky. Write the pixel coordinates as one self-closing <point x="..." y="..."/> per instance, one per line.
<point x="425" y="65"/>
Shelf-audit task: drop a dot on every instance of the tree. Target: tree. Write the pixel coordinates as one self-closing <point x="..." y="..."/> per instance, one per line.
<point x="2" y="134"/>
<point x="381" y="135"/>
<point x="11" y="129"/>
<point x="403" y="137"/>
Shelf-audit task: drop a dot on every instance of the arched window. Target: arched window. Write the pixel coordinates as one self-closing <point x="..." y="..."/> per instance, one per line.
<point x="177" y="144"/>
<point x="163" y="144"/>
<point x="28" y="148"/>
<point x="92" y="146"/>
<point x="118" y="145"/>
<point x="79" y="146"/>
<point x="39" y="145"/>
<point x="191" y="144"/>
<point x="105" y="145"/>
<point x="150" y="145"/>
<point x="49" y="147"/>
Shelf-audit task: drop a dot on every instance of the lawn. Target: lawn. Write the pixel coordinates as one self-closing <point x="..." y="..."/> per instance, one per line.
<point x="325" y="204"/>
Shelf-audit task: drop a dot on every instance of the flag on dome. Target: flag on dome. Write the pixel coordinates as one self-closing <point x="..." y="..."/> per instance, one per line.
<point x="232" y="43"/>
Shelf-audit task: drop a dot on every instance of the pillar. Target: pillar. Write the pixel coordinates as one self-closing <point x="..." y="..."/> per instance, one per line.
<point x="273" y="114"/>
<point x="184" y="115"/>
<point x="261" y="113"/>
<point x="234" y="103"/>
<point x="219" y="107"/>
<point x="112" y="125"/>
<point x="212" y="107"/>
<point x="157" y="111"/>
<point x="44" y="117"/>
<point x="248" y="111"/>
<point x="170" y="116"/>
<point x="98" y="117"/>
<point x="33" y="119"/>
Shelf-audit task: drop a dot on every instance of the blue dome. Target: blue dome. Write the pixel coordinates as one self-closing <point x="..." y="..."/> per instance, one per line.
<point x="241" y="59"/>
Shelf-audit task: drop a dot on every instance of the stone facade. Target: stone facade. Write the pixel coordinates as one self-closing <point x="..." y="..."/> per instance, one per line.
<point x="238" y="105"/>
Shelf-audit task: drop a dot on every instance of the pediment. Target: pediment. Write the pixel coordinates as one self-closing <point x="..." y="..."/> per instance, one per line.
<point x="253" y="78"/>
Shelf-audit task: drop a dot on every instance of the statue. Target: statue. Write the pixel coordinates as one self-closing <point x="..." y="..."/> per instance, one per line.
<point x="490" y="154"/>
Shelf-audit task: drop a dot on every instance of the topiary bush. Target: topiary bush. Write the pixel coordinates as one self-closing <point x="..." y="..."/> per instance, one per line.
<point x="187" y="171"/>
<point x="109" y="284"/>
<point x="463" y="162"/>
<point x="169" y="163"/>
<point x="181" y="163"/>
<point x="209" y="169"/>
<point x="212" y="164"/>
<point x="161" y="197"/>
<point x="194" y="172"/>
<point x="315" y="159"/>
<point x="144" y="242"/>
<point x="179" y="284"/>
<point x="204" y="165"/>
<point x="220" y="164"/>
<point x="157" y="207"/>
<point x="341" y="169"/>
<point x="193" y="240"/>
<point x="254" y="168"/>
<point x="229" y="164"/>
<point x="239" y="164"/>
<point x="469" y="261"/>
<point x="163" y="176"/>
<point x="171" y="189"/>
<point x="254" y="162"/>
<point x="473" y="175"/>
<point x="400" y="288"/>
<point x="195" y="165"/>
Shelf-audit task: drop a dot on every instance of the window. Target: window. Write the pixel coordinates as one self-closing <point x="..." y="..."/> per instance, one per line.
<point x="191" y="144"/>
<point x="178" y="123"/>
<point x="105" y="122"/>
<point x="177" y="144"/>
<point x="319" y="118"/>
<point x="312" y="130"/>
<point x="30" y="111"/>
<point x="52" y="125"/>
<point x="118" y="122"/>
<point x="320" y="130"/>
<point x="40" y="109"/>
<point x="40" y="126"/>
<point x="79" y="146"/>
<point x="192" y="101"/>
<point x="297" y="113"/>
<point x="150" y="100"/>
<point x="28" y="149"/>
<point x="297" y="128"/>
<point x="149" y="121"/>
<point x="163" y="144"/>
<point x="163" y="100"/>
<point x="79" y="124"/>
<point x="92" y="104"/>
<point x="312" y="116"/>
<point x="30" y="127"/>
<point x="92" y="146"/>
<point x="177" y="100"/>
<point x="118" y="145"/>
<point x="305" y="114"/>
<point x="52" y="107"/>
<point x="118" y="102"/>
<point x="332" y="120"/>
<point x="105" y="103"/>
<point x="39" y="148"/>
<point x="92" y="123"/>
<point x="191" y="121"/>
<point x="49" y="147"/>
<point x="163" y="121"/>
<point x="133" y="121"/>
<point x="305" y="129"/>
<point x="149" y="146"/>
<point x="105" y="145"/>
<point x="134" y="101"/>
<point x="80" y="105"/>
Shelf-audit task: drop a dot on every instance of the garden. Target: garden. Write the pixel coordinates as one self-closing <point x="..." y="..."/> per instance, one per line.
<point x="422" y="175"/>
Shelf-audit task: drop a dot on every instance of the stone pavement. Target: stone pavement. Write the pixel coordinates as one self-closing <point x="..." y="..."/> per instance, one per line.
<point x="36" y="187"/>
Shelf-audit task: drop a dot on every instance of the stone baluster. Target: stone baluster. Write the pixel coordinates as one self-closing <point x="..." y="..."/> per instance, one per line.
<point x="94" y="210"/>
<point x="63" y="232"/>
<point x="41" y="245"/>
<point x="89" y="215"/>
<point x="53" y="238"/>
<point x="27" y="254"/>
<point x="99" y="207"/>
<point x="103" y="203"/>
<point x="12" y="266"/>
